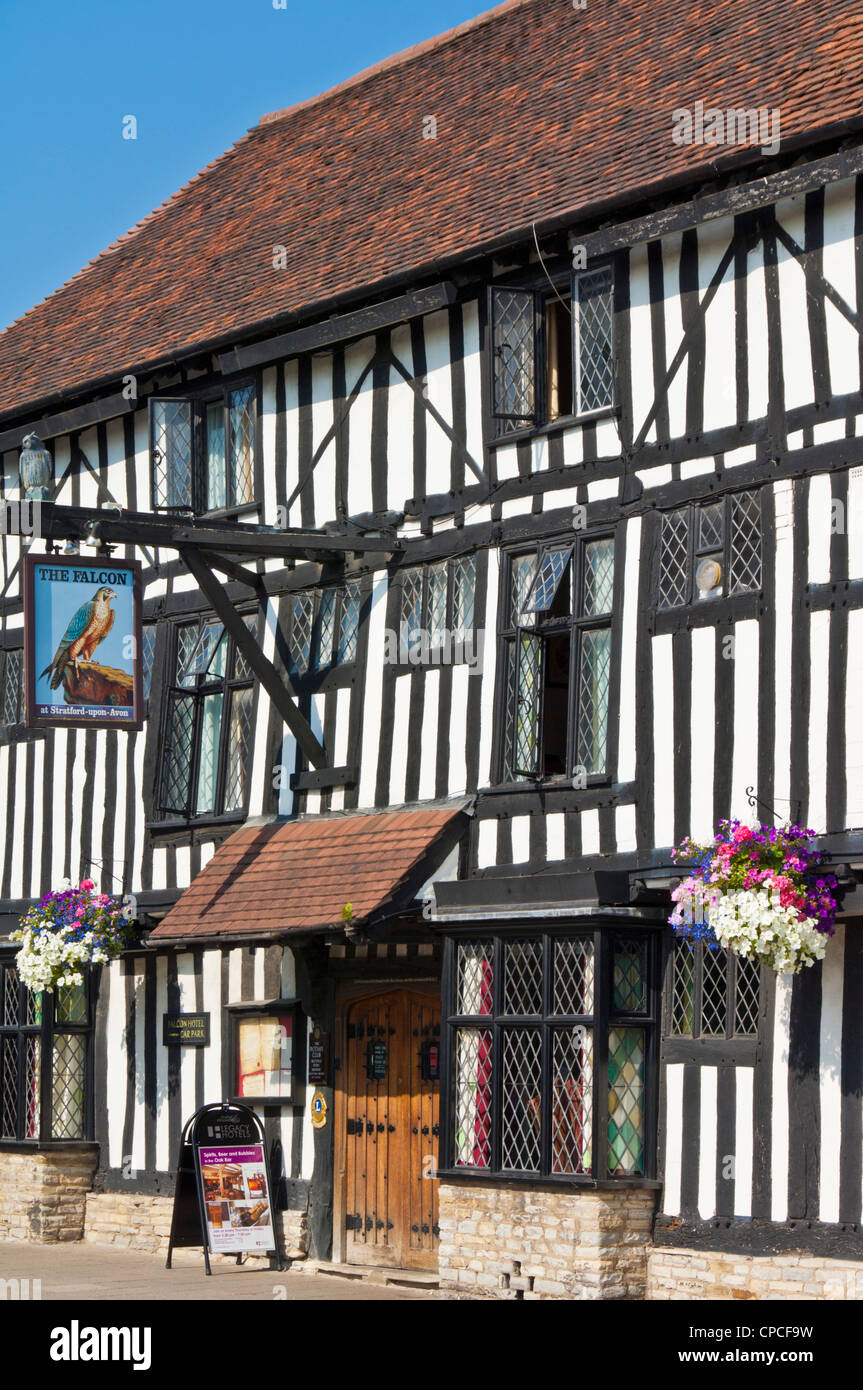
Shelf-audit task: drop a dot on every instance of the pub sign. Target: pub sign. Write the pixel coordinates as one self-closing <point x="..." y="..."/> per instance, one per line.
<point x="82" y="642"/>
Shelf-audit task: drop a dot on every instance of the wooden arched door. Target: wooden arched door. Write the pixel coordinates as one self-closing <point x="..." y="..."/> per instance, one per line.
<point x="392" y="1089"/>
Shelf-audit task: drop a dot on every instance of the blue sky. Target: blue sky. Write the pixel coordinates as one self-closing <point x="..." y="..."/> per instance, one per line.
<point x="194" y="73"/>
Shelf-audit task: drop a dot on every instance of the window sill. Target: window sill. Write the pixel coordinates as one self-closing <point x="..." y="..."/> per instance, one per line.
<point x="540" y="1180"/>
<point x="228" y="513"/>
<point x="546" y="784"/>
<point x="195" y="823"/>
<point x="556" y="426"/>
<point x="46" y="1145"/>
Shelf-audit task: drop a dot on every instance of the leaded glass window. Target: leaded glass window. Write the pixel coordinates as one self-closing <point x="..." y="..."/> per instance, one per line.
<point x="207" y="746"/>
<point x="436" y="611"/>
<point x="44" y="1042"/>
<point x="566" y="337"/>
<point x="202" y="451"/>
<point x="323" y="628"/>
<point x="710" y="550"/>
<point x="714" y="993"/>
<point x="11" y="686"/>
<point x="552" y="1072"/>
<point x="594" y="347"/>
<point x="557" y="661"/>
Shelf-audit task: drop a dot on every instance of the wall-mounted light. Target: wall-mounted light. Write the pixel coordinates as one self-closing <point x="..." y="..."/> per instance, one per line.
<point x="35" y="469"/>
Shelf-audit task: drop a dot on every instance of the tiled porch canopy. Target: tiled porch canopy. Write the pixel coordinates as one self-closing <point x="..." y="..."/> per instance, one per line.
<point x="298" y="875"/>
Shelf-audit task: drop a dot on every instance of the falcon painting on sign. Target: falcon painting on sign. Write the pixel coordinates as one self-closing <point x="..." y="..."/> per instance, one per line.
<point x="82" y="630"/>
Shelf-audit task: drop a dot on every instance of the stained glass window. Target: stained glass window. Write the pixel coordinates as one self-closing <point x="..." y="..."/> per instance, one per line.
<point x="526" y="1094"/>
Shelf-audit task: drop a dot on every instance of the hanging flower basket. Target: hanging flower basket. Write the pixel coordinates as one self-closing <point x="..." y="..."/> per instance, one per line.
<point x="68" y="930"/>
<point x="759" y="891"/>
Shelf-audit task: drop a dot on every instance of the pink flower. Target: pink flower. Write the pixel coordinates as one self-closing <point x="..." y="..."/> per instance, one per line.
<point x="741" y="833"/>
<point x="88" y="884"/>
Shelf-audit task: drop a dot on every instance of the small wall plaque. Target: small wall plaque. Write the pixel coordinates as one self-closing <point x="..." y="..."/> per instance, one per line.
<point x="186" y="1030"/>
<point x="319" y="1058"/>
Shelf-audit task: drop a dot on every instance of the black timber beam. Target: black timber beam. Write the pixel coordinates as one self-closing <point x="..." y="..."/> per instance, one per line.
<point x="225" y="538"/>
<point x="280" y="694"/>
<point x="729" y="202"/>
<point x="69" y="421"/>
<point x="340" y="328"/>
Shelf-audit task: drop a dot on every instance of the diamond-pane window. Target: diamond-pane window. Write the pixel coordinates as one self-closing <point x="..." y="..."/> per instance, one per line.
<point x="683" y="988"/>
<point x="711" y="528"/>
<point x="626" y="1064"/>
<point x="594" y="340"/>
<point x="702" y="982"/>
<point x="529" y="1088"/>
<point x="573" y="976"/>
<point x="714" y="993"/>
<point x="552" y="568"/>
<point x="514" y="357"/>
<point x="412" y="601"/>
<point x="522" y="977"/>
<point x="300" y="640"/>
<point x="67" y="1107"/>
<point x="326" y="628"/>
<point x="204" y="767"/>
<point x="202" y="451"/>
<point x="674" y="559"/>
<point x="12" y="687"/>
<point x="521" y="1108"/>
<point x="437" y="582"/>
<point x="11" y="995"/>
<point x="171" y="453"/>
<point x="630" y="975"/>
<point x="474" y="978"/>
<point x="31" y="1035"/>
<point x="349" y="627"/>
<point x="70" y="1004"/>
<point x="464" y="588"/>
<point x="747" y="981"/>
<point x="9" y="1083"/>
<point x="598" y="578"/>
<point x="241" y="407"/>
<point x="473" y="1098"/>
<point x="523" y="570"/>
<point x="526" y="705"/>
<point x="593" y="684"/>
<point x="572" y="1100"/>
<point x="239" y="749"/>
<point x="217" y="480"/>
<point x="745" y="560"/>
<point x="148" y="648"/>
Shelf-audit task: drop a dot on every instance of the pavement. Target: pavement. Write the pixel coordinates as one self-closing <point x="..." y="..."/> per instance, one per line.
<point x="86" y="1272"/>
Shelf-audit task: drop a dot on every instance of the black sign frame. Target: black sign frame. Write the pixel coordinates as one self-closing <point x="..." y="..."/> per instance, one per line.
<point x="172" y="1030"/>
<point x="108" y="564"/>
<point x="190" y="1183"/>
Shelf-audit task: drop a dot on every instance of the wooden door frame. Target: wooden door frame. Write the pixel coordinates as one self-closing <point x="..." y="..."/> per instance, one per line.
<point x="347" y="994"/>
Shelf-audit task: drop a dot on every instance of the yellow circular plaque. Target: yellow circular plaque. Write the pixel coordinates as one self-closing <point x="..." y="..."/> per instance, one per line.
<point x="319" y="1110"/>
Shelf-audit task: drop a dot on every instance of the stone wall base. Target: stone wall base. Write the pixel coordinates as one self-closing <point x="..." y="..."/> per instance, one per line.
<point x="523" y="1243"/>
<point x="674" y="1273"/>
<point x="43" y="1191"/>
<point x="132" y="1221"/>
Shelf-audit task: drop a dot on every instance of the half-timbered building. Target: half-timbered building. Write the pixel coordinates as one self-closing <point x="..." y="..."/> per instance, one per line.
<point x="492" y="444"/>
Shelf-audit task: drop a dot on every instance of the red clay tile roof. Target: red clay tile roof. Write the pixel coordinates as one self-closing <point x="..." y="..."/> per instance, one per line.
<point x="542" y="109"/>
<point x="291" y="875"/>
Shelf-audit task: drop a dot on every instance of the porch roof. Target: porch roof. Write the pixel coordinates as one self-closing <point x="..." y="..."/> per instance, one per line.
<point x="299" y="875"/>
